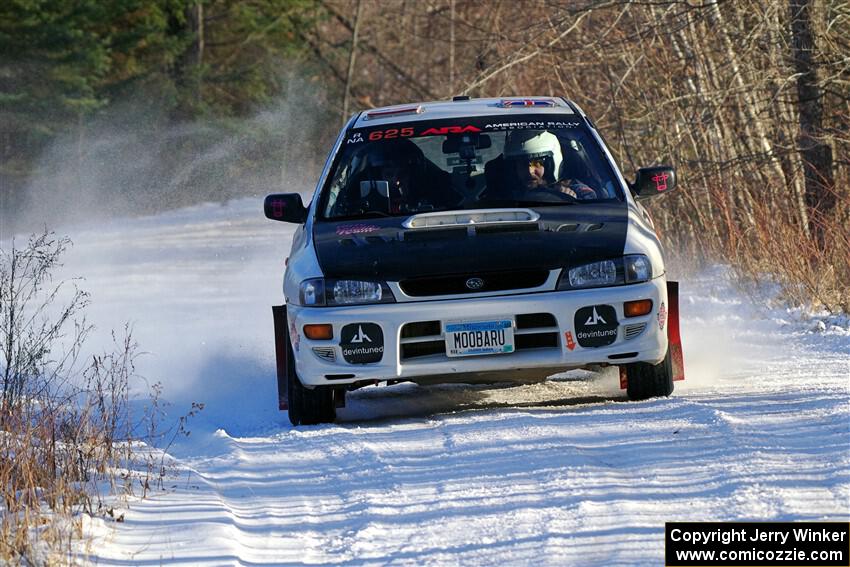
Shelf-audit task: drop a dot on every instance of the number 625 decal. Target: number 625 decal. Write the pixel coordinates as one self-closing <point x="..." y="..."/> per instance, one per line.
<point x="390" y="133"/>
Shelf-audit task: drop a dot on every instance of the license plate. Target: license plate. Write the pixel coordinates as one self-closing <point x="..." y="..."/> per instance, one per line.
<point x="471" y="338"/>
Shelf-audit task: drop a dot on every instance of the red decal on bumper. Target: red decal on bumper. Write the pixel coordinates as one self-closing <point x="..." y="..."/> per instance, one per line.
<point x="571" y="344"/>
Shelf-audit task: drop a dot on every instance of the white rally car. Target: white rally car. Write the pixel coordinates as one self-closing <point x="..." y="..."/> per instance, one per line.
<point x="467" y="241"/>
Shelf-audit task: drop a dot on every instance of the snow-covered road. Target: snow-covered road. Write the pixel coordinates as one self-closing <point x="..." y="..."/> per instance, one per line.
<point x="564" y="472"/>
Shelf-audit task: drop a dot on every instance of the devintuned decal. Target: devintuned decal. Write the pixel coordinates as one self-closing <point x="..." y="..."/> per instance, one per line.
<point x="362" y="343"/>
<point x="571" y="343"/>
<point x="596" y="325"/>
<point x="662" y="316"/>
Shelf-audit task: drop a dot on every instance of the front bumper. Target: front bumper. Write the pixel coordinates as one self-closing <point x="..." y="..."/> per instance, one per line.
<point x="546" y="320"/>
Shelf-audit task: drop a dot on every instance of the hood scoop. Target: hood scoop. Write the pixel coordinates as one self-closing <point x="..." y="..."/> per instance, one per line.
<point x="474" y="217"/>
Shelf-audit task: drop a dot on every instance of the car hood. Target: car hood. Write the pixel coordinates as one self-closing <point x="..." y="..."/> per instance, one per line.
<point x="383" y="249"/>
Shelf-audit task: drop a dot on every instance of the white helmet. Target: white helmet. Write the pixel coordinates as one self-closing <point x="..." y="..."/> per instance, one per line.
<point x="528" y="144"/>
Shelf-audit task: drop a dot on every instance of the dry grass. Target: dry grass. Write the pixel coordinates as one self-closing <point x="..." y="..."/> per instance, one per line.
<point x="771" y="247"/>
<point x="808" y="275"/>
<point x="57" y="454"/>
<point x="66" y="434"/>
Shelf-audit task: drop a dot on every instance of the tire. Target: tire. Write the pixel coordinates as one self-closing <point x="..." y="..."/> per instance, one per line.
<point x="307" y="406"/>
<point x="650" y="380"/>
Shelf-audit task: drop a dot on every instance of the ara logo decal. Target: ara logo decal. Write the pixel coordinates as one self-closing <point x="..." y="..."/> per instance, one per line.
<point x="571" y="344"/>
<point x="595" y="319"/>
<point x="362" y="343"/>
<point x="661" y="181"/>
<point x="355" y="138"/>
<point x="449" y="130"/>
<point x="662" y="316"/>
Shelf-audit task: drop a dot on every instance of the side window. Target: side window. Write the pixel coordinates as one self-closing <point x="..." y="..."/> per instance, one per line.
<point x="337" y="187"/>
<point x="584" y="162"/>
<point x="611" y="149"/>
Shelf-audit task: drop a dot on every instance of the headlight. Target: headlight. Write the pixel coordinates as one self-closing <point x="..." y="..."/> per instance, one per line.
<point x="348" y="292"/>
<point x="626" y="270"/>
<point x="597" y="274"/>
<point x="319" y="292"/>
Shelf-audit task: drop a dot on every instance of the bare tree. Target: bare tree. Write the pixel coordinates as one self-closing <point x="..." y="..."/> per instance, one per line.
<point x="815" y="152"/>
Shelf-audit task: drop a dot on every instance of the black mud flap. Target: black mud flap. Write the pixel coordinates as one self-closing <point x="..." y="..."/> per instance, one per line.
<point x="281" y="353"/>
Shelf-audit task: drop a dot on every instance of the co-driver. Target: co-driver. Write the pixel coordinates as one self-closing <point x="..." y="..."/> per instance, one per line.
<point x="532" y="162"/>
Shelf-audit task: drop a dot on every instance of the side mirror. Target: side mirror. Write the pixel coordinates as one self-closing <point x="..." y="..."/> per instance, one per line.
<point x="286" y="207"/>
<point x="651" y="181"/>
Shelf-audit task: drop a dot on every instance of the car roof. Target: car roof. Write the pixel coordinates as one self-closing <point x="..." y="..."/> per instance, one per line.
<point x="503" y="106"/>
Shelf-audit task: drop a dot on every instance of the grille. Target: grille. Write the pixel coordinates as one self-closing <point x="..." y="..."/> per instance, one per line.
<point x="536" y="340"/>
<point x="422" y="338"/>
<point x="420" y="329"/>
<point x="413" y="350"/>
<point x="493" y="281"/>
<point x="536" y="330"/>
<point x="535" y="320"/>
<point x="425" y="338"/>
<point x="632" y="331"/>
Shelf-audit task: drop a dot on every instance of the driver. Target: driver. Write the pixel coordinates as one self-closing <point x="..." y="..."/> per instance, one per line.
<point x="534" y="159"/>
<point x="397" y="163"/>
<point x="397" y="177"/>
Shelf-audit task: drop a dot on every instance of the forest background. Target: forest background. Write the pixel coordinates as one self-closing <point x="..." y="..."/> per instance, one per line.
<point x="131" y="107"/>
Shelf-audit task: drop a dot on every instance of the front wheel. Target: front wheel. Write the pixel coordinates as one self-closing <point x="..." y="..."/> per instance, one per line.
<point x="307" y="406"/>
<point x="649" y="380"/>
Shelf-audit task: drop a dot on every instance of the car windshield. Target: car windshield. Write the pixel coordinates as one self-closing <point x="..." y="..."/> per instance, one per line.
<point x="475" y="163"/>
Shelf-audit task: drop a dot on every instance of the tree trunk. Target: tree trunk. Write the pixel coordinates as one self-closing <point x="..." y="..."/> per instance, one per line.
<point x="351" y="57"/>
<point x="815" y="153"/>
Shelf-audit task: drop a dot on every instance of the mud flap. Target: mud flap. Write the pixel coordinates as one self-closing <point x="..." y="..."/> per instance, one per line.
<point x="281" y="353"/>
<point x="673" y="337"/>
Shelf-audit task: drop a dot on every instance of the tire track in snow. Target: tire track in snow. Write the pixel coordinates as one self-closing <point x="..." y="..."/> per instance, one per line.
<point x="554" y="473"/>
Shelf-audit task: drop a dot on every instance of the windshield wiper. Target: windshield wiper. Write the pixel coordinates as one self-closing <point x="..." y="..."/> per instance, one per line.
<point x="554" y="203"/>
